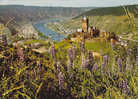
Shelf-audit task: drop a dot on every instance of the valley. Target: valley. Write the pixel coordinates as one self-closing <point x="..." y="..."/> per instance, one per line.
<point x="112" y="19"/>
<point x="68" y="52"/>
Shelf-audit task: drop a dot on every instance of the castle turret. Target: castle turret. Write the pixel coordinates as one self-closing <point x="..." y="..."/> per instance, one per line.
<point x="85" y="24"/>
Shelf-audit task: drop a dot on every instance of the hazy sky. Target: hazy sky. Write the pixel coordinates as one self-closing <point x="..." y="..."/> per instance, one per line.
<point x="70" y="3"/>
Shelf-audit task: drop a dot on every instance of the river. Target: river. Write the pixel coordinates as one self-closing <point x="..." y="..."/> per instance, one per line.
<point x="41" y="26"/>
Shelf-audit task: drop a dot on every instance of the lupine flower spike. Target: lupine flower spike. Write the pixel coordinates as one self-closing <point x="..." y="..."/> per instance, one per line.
<point x="104" y="63"/>
<point x="70" y="55"/>
<point x="20" y="53"/>
<point x="95" y="67"/>
<point x="58" y="67"/>
<point x="119" y="62"/>
<point x="53" y="52"/>
<point x="85" y="65"/>
<point x="61" y="80"/>
<point x="73" y="52"/>
<point x="124" y="86"/>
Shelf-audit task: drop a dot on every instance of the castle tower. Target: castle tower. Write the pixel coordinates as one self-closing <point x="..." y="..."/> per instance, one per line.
<point x="85" y="24"/>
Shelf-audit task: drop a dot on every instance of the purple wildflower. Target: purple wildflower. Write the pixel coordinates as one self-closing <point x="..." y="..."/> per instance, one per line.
<point x="58" y="66"/>
<point x="103" y="67"/>
<point x="61" y="80"/>
<point x="120" y="84"/>
<point x="20" y="53"/>
<point x="85" y="65"/>
<point x="53" y="52"/>
<point x="82" y="60"/>
<point x="55" y="64"/>
<point x="104" y="63"/>
<point x="91" y="58"/>
<point x="73" y="52"/>
<point x="95" y="67"/>
<point x="82" y="46"/>
<point x="105" y="58"/>
<point x="70" y="54"/>
<point x="4" y="38"/>
<point x="124" y="86"/>
<point x="119" y="62"/>
<point x="70" y="62"/>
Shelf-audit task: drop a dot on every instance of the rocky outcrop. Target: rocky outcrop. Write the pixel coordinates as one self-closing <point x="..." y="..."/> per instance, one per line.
<point x="28" y="32"/>
<point x="5" y="33"/>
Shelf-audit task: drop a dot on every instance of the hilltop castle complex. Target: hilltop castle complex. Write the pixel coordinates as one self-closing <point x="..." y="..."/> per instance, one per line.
<point x="89" y="32"/>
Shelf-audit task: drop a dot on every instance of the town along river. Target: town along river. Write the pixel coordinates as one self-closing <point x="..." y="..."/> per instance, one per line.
<point x="41" y="27"/>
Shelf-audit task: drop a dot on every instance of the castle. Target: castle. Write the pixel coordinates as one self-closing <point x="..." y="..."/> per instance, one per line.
<point x="89" y="32"/>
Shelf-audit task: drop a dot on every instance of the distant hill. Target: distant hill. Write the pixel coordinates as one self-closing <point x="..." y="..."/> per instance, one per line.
<point x="35" y="13"/>
<point x="114" y="11"/>
<point x="110" y="19"/>
<point x="16" y="15"/>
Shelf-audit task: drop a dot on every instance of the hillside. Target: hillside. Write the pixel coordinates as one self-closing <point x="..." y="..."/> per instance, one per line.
<point x="55" y="74"/>
<point x="96" y="67"/>
<point x="34" y="13"/>
<point x="114" y="11"/>
<point x="18" y="15"/>
<point x="110" y="19"/>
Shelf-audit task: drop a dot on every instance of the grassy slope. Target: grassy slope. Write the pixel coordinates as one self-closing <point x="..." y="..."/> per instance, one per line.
<point x="28" y="79"/>
<point x="36" y="77"/>
<point x="112" y="19"/>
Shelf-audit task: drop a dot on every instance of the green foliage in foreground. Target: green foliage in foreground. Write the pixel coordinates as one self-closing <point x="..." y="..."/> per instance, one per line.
<point x="36" y="77"/>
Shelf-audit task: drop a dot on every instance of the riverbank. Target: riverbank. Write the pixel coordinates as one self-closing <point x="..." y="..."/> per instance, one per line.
<point x="41" y="27"/>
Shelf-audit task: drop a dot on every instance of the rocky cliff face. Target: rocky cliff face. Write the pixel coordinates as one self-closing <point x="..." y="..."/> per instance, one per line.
<point x="5" y="32"/>
<point x="28" y="32"/>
